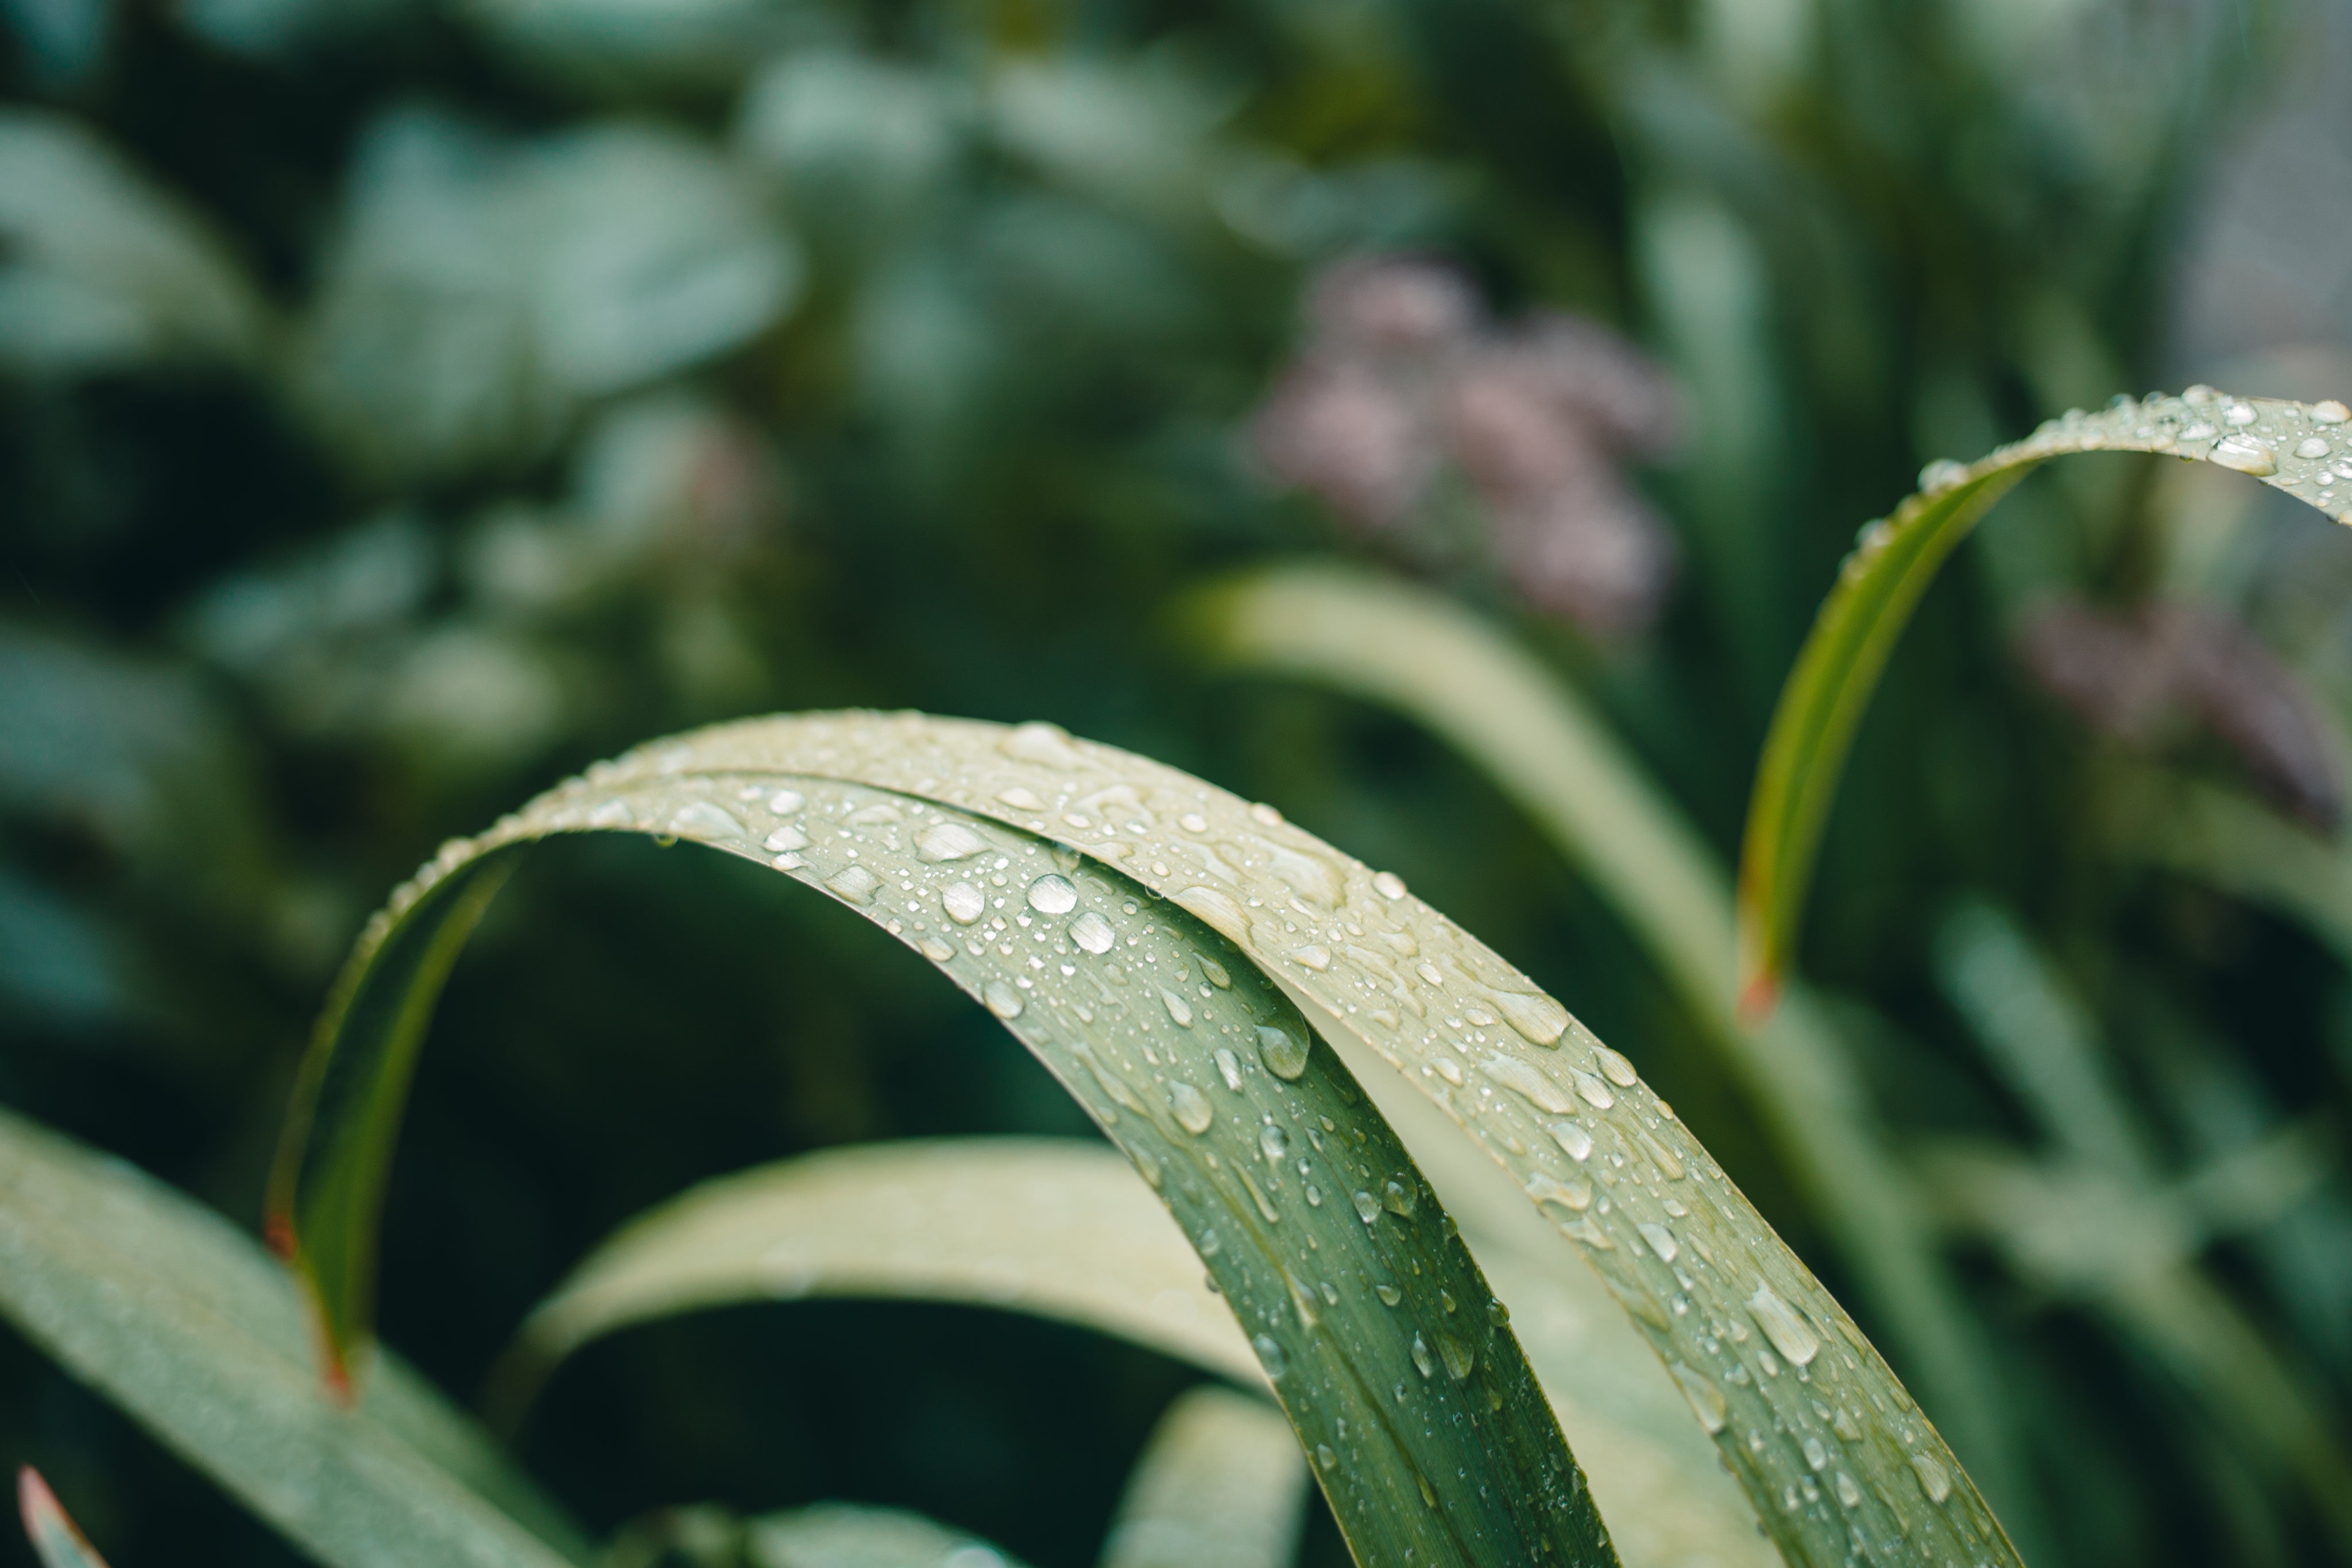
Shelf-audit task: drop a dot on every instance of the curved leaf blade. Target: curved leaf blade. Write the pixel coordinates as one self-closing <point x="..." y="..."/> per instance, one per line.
<point x="1219" y="1486"/>
<point x="2290" y="446"/>
<point x="168" y="1311"/>
<point x="55" y="1538"/>
<point x="1194" y="1063"/>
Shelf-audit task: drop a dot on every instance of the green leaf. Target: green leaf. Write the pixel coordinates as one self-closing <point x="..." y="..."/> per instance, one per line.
<point x="1466" y="1466"/>
<point x="1219" y="1486"/>
<point x="2234" y="843"/>
<point x="1052" y="1227"/>
<point x="48" y="1526"/>
<point x="1423" y="654"/>
<point x="172" y="1314"/>
<point x="1066" y="1229"/>
<point x="1198" y="1067"/>
<point x="844" y="1535"/>
<point x="2288" y="446"/>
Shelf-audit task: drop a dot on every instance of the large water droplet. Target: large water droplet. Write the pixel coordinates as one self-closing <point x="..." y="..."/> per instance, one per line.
<point x="1534" y="1015"/>
<point x="1572" y="1138"/>
<point x="1575" y="1195"/>
<point x="784" y="803"/>
<point x="1191" y="1107"/>
<point x="1663" y="1157"/>
<point x="1594" y="1092"/>
<point x="1934" y="1478"/>
<point x="1399" y="1199"/>
<point x="1455" y="1352"/>
<point x="1021" y="799"/>
<point x="1324" y="1458"/>
<point x="855" y="883"/>
<point x="1942" y="475"/>
<point x="1218" y="909"/>
<point x="1615" y="1068"/>
<point x="1313" y="956"/>
<point x="2329" y="413"/>
<point x="1270" y="1356"/>
<point x="1178" y="1008"/>
<point x="943" y="842"/>
<point x="2311" y="446"/>
<point x="2240" y="414"/>
<point x="1389" y="1294"/>
<point x="1388" y="884"/>
<point x="1284" y="1053"/>
<point x="1706" y="1401"/>
<point x="1053" y="894"/>
<point x="706" y="817"/>
<point x="1848" y="1493"/>
<point x="1368" y="1207"/>
<point x="963" y="902"/>
<point x="1001" y="1000"/>
<point x="1422" y="1360"/>
<point x="1272" y="1143"/>
<point x="1524" y="1079"/>
<point x="1093" y="933"/>
<point x="785" y="838"/>
<point x="2245" y="456"/>
<point x="1662" y="1242"/>
<point x="1817" y="1457"/>
<point x="1789" y="1332"/>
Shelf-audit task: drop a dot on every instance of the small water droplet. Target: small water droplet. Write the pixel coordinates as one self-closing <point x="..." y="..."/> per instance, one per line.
<point x="1388" y="884"/>
<point x="1178" y="1008"/>
<point x="1389" y="1294"/>
<point x="1594" y="1092"/>
<point x="1942" y="475"/>
<point x="963" y="902"/>
<point x="2245" y="456"/>
<point x="1001" y="1000"/>
<point x="784" y="803"/>
<point x="1313" y="956"/>
<point x="943" y="842"/>
<point x="1262" y="813"/>
<point x="1285" y="1055"/>
<point x="1574" y="1194"/>
<point x="1537" y="1017"/>
<point x="786" y="837"/>
<point x="1816" y="1457"/>
<point x="1662" y="1242"/>
<point x="1789" y="1332"/>
<point x="1229" y="1069"/>
<point x="1706" y="1401"/>
<point x="1572" y="1138"/>
<point x="1324" y="1457"/>
<point x="1459" y="1358"/>
<point x="2240" y="414"/>
<point x="1216" y="973"/>
<point x="1933" y="1479"/>
<point x="1663" y="1157"/>
<point x="1526" y="1080"/>
<point x="1093" y="933"/>
<point x="1446" y="1067"/>
<point x="855" y="883"/>
<point x="1272" y="1143"/>
<point x="1399" y="1199"/>
<point x="1422" y="1360"/>
<point x="1191" y="1107"/>
<point x="706" y="817"/>
<point x="1193" y="822"/>
<point x="1021" y="798"/>
<point x="1368" y="1209"/>
<point x="1615" y="1067"/>
<point x="1848" y="1493"/>
<point x="1270" y="1356"/>
<point x="937" y="951"/>
<point x="1053" y="894"/>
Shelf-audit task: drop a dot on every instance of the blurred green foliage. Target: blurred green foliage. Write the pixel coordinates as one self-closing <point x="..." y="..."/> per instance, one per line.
<point x="405" y="402"/>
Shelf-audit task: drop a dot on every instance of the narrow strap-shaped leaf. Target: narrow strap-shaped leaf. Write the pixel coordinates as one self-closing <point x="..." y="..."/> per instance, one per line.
<point x="1376" y="1333"/>
<point x="1219" y="1486"/>
<point x="1066" y="1229"/>
<point x="846" y="1535"/>
<point x="184" y="1323"/>
<point x="2302" y="449"/>
<point x="1428" y="657"/>
<point x="1771" y="1365"/>
<point x="49" y="1527"/>
<point x="1052" y="1227"/>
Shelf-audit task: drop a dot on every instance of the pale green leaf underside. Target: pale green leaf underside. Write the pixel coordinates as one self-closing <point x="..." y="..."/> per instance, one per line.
<point x="1378" y="1332"/>
<point x="846" y="1535"/>
<point x="1218" y="1486"/>
<point x="2303" y="450"/>
<point x="184" y="1323"/>
<point x="1065" y="1230"/>
<point x="1430" y="658"/>
<point x="1767" y="1358"/>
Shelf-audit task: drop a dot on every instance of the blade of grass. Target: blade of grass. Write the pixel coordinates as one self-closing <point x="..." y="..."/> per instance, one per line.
<point x="56" y="1540"/>
<point x="1063" y="1228"/>
<point x="168" y="1311"/>
<point x="1429" y="658"/>
<point x="1219" y="1486"/>
<point x="846" y="1535"/>
<point x="1772" y="1365"/>
<point x="2232" y="843"/>
<point x="1377" y="1336"/>
<point x="2288" y="446"/>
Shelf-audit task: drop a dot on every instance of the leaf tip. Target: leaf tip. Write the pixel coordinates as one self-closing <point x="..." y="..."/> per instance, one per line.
<point x="1759" y="995"/>
<point x="55" y="1537"/>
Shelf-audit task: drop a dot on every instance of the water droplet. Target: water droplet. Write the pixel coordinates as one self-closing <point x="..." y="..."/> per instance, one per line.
<point x="1572" y="1138"/>
<point x="1191" y="1107"/>
<point x="1313" y="956"/>
<point x="788" y="862"/>
<point x="1399" y="1199"/>
<point x="1368" y="1209"/>
<point x="1270" y="1356"/>
<point x="1595" y="1093"/>
<point x="877" y="815"/>
<point x="1216" y="974"/>
<point x="943" y="842"/>
<point x="1093" y="933"/>
<point x="2245" y="456"/>
<point x="1389" y="1294"/>
<point x="1615" y="1068"/>
<point x="2311" y="446"/>
<point x="1388" y="884"/>
<point x="1324" y="1457"/>
<point x="1591" y="1234"/>
<point x="1446" y="1067"/>
<point x="1272" y="1143"/>
<point x="1001" y="1000"/>
<point x="1706" y="1401"/>
<point x="1053" y="894"/>
<point x="937" y="951"/>
<point x="2200" y="393"/>
<point x="1178" y="1008"/>
<point x="2200" y="431"/>
<point x="1460" y="1359"/>
<point x="1229" y="1069"/>
<point x="1262" y="813"/>
<point x="2329" y="413"/>
<point x="611" y="814"/>
<point x="1021" y="799"/>
<point x="1422" y="1360"/>
<point x="1218" y="909"/>
<point x="1942" y="475"/>
<point x="1663" y="1157"/>
<point x="1789" y="1332"/>
<point x="855" y="883"/>
<point x="1816" y="1457"/>
<point x="786" y="837"/>
<point x="1662" y="1242"/>
<point x="963" y="902"/>
<point x="706" y="817"/>
<point x="1534" y="1015"/>
<point x="1848" y="1493"/>
<point x="1193" y="822"/>
<point x="1525" y="1079"/>
<point x="784" y="803"/>
<point x="1933" y="1479"/>
<point x="1284" y="1053"/>
<point x="2240" y="414"/>
<point x="1574" y="1194"/>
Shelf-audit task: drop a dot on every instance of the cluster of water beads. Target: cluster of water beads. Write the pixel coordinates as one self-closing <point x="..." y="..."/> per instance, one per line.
<point x="1352" y="943"/>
